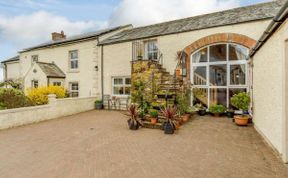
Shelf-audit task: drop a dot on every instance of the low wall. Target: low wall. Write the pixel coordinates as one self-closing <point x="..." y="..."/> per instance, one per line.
<point x="56" y="108"/>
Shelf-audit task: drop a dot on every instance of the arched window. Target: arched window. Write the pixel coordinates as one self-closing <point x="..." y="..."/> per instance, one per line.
<point x="218" y="72"/>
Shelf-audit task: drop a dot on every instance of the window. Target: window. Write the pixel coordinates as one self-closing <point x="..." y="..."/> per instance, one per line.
<point x="151" y="50"/>
<point x="218" y="72"/>
<point x="121" y="85"/>
<point x="57" y="83"/>
<point x="35" y="84"/>
<point x="74" y="89"/>
<point x="34" y="58"/>
<point x="73" y="59"/>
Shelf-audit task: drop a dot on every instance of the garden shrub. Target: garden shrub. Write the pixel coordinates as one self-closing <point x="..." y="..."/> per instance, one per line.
<point x="39" y="96"/>
<point x="13" y="98"/>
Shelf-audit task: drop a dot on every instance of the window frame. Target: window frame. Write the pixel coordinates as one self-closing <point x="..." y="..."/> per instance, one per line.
<point x="228" y="64"/>
<point x="71" y="90"/>
<point x="124" y="85"/>
<point x="153" y="53"/>
<point x="35" y="83"/>
<point x="73" y="59"/>
<point x="34" y="58"/>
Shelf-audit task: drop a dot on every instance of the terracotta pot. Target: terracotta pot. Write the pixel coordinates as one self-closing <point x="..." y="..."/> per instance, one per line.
<point x="153" y="120"/>
<point x="241" y="120"/>
<point x="177" y="125"/>
<point x="185" y="117"/>
<point x="178" y="72"/>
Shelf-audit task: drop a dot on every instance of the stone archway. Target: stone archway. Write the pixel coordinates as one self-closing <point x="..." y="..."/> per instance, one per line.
<point x="217" y="38"/>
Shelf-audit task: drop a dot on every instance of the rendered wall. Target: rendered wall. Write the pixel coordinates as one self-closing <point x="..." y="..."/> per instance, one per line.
<point x="13" y="70"/>
<point x="117" y="57"/>
<point x="269" y="105"/>
<point x="55" y="109"/>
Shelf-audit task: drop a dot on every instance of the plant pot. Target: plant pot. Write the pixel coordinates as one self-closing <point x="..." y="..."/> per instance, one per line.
<point x="202" y="112"/>
<point x="216" y="114"/>
<point x="132" y="125"/>
<point x="185" y="117"/>
<point x="168" y="128"/>
<point x="178" y="72"/>
<point x="153" y="120"/>
<point x="241" y="120"/>
<point x="230" y="114"/>
<point x="98" y="105"/>
<point x="177" y="125"/>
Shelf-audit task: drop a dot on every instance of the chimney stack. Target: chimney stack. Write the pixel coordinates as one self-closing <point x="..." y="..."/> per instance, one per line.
<point x="58" y="36"/>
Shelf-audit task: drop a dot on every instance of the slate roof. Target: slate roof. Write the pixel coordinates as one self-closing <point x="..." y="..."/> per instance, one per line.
<point x="233" y="16"/>
<point x="76" y="38"/>
<point x="15" y="58"/>
<point x="51" y="70"/>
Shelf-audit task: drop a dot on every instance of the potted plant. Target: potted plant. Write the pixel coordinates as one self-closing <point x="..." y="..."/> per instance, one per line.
<point x="98" y="104"/>
<point x="230" y="113"/>
<point x="153" y="116"/>
<point x="201" y="109"/>
<point x="217" y="109"/>
<point x="133" y="122"/>
<point x="169" y="114"/>
<point x="241" y="101"/>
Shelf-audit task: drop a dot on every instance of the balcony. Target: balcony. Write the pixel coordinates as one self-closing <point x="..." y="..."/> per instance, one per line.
<point x="146" y="51"/>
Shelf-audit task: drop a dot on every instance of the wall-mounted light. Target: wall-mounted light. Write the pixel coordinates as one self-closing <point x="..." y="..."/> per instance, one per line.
<point x="96" y="68"/>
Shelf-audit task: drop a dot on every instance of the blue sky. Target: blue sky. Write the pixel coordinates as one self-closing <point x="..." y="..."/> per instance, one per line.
<point x="28" y="22"/>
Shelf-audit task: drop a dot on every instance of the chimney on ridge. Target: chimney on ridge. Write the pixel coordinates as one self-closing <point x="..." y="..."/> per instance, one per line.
<point x="58" y="36"/>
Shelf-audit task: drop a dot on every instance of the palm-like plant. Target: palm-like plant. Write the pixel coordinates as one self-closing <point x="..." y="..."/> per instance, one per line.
<point x="133" y="112"/>
<point x="170" y="113"/>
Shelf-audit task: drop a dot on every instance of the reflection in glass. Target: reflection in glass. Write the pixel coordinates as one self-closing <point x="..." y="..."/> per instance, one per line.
<point x="218" y="53"/>
<point x="237" y="74"/>
<point x="200" y="95"/>
<point x="218" y="75"/>
<point x="218" y="96"/>
<point x="199" y="77"/>
<point x="200" y="56"/>
<point x="237" y="52"/>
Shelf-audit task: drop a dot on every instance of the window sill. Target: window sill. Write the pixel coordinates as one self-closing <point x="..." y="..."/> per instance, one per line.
<point x="73" y="71"/>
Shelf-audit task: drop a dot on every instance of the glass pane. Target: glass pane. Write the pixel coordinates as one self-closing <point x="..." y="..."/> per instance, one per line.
<point x="74" y="94"/>
<point x="200" y="95"/>
<point x="237" y="74"/>
<point x="127" y="90"/>
<point x="218" y="96"/>
<point x="218" y="53"/>
<point x="218" y="75"/>
<point x="118" y="90"/>
<point x="200" y="56"/>
<point x="74" y="86"/>
<point x="118" y="81"/>
<point x="128" y="81"/>
<point x="233" y="91"/>
<point x="237" y="52"/>
<point x="74" y="64"/>
<point x="199" y="77"/>
<point x="73" y="54"/>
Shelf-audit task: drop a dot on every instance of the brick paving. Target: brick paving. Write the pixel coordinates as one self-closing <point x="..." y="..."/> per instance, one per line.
<point x="99" y="144"/>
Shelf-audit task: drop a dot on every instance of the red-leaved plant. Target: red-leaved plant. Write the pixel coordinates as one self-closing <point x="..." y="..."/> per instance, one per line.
<point x="170" y="113"/>
<point x="133" y="112"/>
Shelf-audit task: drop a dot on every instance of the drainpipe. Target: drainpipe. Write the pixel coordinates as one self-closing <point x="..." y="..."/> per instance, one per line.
<point x="276" y="22"/>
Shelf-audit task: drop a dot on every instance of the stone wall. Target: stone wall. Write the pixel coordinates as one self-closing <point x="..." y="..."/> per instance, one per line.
<point x="55" y="109"/>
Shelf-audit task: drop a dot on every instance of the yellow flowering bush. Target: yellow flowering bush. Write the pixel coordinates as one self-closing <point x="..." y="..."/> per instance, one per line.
<point x="39" y="96"/>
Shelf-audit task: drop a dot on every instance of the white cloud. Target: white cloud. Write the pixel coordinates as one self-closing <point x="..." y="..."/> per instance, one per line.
<point x="139" y="12"/>
<point x="23" y="31"/>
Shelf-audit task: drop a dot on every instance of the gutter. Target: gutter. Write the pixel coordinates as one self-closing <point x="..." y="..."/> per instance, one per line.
<point x="273" y="26"/>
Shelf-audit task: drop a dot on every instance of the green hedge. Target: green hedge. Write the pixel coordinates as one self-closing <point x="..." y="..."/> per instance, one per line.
<point x="13" y="98"/>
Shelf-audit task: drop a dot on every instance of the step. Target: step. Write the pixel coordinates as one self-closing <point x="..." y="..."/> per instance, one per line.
<point x="147" y="124"/>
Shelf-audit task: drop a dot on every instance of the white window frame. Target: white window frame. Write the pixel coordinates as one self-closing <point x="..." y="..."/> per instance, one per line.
<point x="228" y="63"/>
<point x="73" y="59"/>
<point x="124" y="85"/>
<point x="35" y="83"/>
<point x="153" y="52"/>
<point x="71" y="90"/>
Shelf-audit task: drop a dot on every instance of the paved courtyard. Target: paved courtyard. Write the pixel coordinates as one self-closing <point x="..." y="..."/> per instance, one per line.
<point x="99" y="144"/>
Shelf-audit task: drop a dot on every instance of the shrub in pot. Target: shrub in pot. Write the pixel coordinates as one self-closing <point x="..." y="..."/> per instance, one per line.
<point x="241" y="101"/>
<point x="153" y="116"/>
<point x="169" y="125"/>
<point x="230" y="113"/>
<point x="133" y="123"/>
<point x="98" y="104"/>
<point x="217" y="109"/>
<point x="201" y="110"/>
